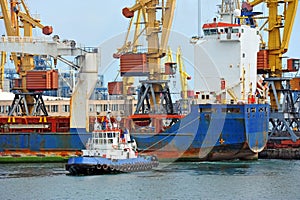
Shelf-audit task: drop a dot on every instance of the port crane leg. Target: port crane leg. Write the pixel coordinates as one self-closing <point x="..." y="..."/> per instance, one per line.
<point x="284" y="119"/>
<point x="284" y="123"/>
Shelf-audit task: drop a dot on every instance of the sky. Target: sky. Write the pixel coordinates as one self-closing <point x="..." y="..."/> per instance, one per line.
<point x="99" y="23"/>
<point x="92" y="22"/>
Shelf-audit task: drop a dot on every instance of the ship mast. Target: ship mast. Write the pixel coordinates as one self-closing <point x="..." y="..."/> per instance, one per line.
<point x="227" y="9"/>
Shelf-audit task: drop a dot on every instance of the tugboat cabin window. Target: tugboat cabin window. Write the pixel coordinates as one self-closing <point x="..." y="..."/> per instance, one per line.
<point x="96" y="141"/>
<point x="110" y="141"/>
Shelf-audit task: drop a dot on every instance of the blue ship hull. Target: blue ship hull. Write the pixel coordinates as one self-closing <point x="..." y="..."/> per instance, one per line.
<point x="211" y="132"/>
<point x="208" y="132"/>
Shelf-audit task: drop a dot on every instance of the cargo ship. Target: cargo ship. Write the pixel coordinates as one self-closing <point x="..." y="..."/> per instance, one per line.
<point x="222" y="119"/>
<point x="225" y="116"/>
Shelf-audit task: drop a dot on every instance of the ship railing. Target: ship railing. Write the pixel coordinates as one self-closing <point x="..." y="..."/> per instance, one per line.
<point x="19" y="39"/>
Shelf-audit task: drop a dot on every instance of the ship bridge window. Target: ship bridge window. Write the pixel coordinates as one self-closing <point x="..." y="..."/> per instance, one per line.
<point x="235" y="30"/>
<point x="110" y="141"/>
<point x="100" y="135"/>
<point x="210" y="31"/>
<point x="104" y="135"/>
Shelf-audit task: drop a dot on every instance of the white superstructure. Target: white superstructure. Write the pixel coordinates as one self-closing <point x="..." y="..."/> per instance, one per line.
<point x="225" y="62"/>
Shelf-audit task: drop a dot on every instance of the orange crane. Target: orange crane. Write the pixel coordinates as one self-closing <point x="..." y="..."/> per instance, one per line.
<point x="14" y="19"/>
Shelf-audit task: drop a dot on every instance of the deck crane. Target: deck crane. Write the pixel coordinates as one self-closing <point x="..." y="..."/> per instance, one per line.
<point x="14" y="19"/>
<point x="184" y="77"/>
<point x="2" y="63"/>
<point x="284" y="117"/>
<point x="154" y="96"/>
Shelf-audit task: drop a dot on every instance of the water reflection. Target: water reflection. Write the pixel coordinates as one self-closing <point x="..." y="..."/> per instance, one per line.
<point x="236" y="168"/>
<point x="30" y="170"/>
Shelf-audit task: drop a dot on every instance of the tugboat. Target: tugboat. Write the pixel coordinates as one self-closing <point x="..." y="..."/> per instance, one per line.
<point x="110" y="150"/>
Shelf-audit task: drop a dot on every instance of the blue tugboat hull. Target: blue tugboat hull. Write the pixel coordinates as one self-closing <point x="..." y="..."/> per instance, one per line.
<point x="100" y="165"/>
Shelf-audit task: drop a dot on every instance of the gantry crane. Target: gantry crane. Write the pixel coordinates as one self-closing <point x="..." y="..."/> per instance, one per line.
<point x="154" y="94"/>
<point x="284" y="117"/>
<point x="15" y="19"/>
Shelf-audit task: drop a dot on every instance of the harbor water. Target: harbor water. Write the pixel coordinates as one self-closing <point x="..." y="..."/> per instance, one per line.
<point x="262" y="179"/>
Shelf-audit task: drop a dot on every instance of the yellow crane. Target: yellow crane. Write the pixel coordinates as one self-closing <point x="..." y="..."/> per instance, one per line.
<point x="157" y="34"/>
<point x="156" y="47"/>
<point x="14" y="19"/>
<point x="279" y="29"/>
<point x="284" y="116"/>
<point x="131" y="46"/>
<point x="184" y="76"/>
<point x="2" y="63"/>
